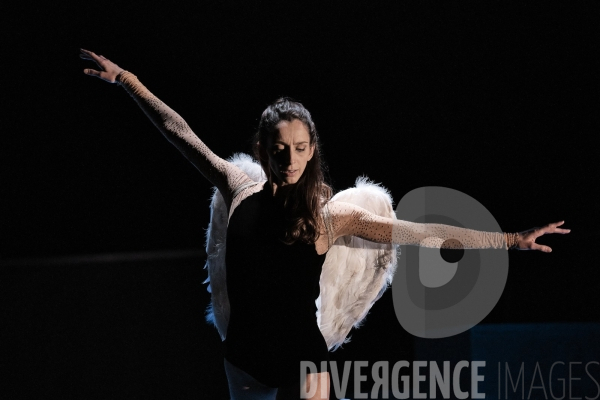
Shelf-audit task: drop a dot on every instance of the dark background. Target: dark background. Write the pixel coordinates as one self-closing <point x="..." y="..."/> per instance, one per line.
<point x="498" y="100"/>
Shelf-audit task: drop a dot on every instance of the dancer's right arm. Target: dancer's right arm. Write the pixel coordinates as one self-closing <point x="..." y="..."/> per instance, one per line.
<point x="224" y="175"/>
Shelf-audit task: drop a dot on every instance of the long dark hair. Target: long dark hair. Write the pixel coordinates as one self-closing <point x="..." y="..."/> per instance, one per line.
<point x="303" y="200"/>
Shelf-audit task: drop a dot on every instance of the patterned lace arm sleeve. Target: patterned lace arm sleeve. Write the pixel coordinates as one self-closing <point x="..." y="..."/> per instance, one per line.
<point x="350" y="220"/>
<point x="224" y="175"/>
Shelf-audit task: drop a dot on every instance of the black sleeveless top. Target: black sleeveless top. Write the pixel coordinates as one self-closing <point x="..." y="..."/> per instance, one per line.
<point x="272" y="288"/>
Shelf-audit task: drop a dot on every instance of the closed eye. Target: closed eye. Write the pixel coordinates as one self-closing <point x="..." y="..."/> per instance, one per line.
<point x="278" y="149"/>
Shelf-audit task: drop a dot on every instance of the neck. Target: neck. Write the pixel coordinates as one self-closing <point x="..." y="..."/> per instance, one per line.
<point x="275" y="185"/>
<point x="280" y="189"/>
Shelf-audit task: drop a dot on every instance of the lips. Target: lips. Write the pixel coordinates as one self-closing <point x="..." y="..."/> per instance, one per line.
<point x="289" y="173"/>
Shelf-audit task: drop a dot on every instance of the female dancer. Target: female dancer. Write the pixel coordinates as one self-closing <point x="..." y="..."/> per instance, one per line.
<point x="278" y="234"/>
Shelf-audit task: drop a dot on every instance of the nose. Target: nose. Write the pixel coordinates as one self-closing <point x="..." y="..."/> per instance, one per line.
<point x="286" y="157"/>
<point x="292" y="156"/>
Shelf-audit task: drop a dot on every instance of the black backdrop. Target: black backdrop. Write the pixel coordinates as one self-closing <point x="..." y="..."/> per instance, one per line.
<point x="498" y="100"/>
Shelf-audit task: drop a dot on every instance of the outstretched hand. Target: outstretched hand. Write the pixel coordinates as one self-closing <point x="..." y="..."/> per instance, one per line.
<point x="527" y="238"/>
<point x="109" y="71"/>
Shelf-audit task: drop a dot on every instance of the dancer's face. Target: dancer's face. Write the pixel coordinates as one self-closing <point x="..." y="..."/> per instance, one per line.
<point x="289" y="151"/>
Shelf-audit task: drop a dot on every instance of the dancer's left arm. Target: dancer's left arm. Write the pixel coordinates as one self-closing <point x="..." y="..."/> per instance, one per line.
<point x="350" y="220"/>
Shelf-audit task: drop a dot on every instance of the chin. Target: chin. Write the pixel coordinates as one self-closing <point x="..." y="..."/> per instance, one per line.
<point x="285" y="180"/>
<point x="290" y="181"/>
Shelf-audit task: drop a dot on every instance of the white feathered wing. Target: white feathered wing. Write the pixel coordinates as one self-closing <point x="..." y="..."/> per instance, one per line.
<point x="217" y="312"/>
<point x="355" y="274"/>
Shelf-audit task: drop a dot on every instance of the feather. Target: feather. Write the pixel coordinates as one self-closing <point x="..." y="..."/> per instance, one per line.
<point x="356" y="272"/>
<point x="217" y="312"/>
